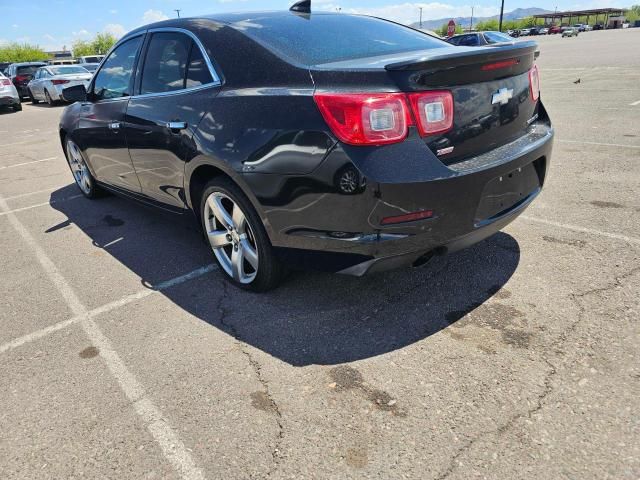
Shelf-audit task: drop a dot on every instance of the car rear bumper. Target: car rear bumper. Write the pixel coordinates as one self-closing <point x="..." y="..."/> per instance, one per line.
<point x="8" y="100"/>
<point x="471" y="201"/>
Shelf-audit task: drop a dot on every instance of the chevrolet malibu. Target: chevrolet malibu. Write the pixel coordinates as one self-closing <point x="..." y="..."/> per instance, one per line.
<point x="326" y="141"/>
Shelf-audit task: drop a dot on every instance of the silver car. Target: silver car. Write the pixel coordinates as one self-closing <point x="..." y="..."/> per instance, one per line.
<point x="49" y="82"/>
<point x="8" y="94"/>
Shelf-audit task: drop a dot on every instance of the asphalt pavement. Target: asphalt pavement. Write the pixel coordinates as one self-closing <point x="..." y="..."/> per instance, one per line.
<point x="124" y="355"/>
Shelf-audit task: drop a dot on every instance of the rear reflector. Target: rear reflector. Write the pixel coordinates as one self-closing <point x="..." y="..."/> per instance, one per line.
<point x="365" y="118"/>
<point x="409" y="217"/>
<point x="534" y="83"/>
<point x="59" y="82"/>
<point x="501" y="64"/>
<point x="433" y="110"/>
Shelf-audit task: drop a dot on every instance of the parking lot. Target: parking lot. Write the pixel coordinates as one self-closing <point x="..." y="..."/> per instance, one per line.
<point x="125" y="355"/>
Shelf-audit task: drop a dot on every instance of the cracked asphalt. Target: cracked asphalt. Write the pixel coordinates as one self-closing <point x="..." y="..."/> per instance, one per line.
<point x="124" y="355"/>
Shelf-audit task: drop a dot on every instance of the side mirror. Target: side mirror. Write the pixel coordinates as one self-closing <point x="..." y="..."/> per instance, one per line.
<point x="77" y="93"/>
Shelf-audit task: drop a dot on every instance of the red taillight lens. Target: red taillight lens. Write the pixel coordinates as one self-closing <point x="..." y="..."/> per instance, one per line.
<point x="433" y="111"/>
<point x="5" y="81"/>
<point x="365" y="118"/>
<point x="409" y="217"/>
<point x="534" y="83"/>
<point x="21" y="78"/>
<point x="59" y="82"/>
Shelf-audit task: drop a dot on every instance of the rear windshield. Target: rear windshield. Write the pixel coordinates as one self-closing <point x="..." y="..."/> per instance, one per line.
<point x="27" y="70"/>
<point x="67" y="70"/>
<point x="317" y="39"/>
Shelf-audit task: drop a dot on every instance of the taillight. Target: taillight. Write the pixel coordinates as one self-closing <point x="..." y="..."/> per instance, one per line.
<point x="534" y="83"/>
<point x="433" y="110"/>
<point x="366" y="118"/>
<point x="59" y="82"/>
<point x="21" y="78"/>
<point x="5" y="81"/>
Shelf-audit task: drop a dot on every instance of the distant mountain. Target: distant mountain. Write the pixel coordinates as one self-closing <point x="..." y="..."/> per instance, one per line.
<point x="464" y="21"/>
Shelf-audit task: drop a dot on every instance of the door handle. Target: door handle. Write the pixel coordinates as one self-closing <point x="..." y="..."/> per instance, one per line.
<point x="176" y="126"/>
<point x="114" y="126"/>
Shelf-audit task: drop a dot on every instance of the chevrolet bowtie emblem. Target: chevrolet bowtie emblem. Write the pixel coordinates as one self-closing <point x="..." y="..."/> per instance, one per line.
<point x="502" y="96"/>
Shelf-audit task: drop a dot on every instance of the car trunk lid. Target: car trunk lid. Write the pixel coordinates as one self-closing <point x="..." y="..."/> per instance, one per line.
<point x="490" y="88"/>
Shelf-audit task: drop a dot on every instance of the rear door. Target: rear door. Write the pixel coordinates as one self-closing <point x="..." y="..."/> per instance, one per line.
<point x="175" y="87"/>
<point x="100" y="132"/>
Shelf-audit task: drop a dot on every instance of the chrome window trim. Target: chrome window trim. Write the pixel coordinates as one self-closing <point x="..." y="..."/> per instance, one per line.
<point x="214" y="75"/>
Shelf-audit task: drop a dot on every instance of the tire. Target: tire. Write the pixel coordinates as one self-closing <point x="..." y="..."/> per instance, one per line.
<point x="243" y="251"/>
<point x="80" y="171"/>
<point x="50" y="100"/>
<point x="34" y="101"/>
<point x="17" y="107"/>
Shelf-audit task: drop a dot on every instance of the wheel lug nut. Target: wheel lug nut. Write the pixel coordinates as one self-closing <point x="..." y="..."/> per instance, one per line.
<point x="228" y="238"/>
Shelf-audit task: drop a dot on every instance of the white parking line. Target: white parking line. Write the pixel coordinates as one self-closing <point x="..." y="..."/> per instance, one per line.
<point x="28" y="163"/>
<point x="16" y="143"/>
<point x="30" y="337"/>
<point x="22" y="195"/>
<point x="44" y="204"/>
<point x="622" y="145"/>
<point x="577" y="228"/>
<point x="633" y="104"/>
<point x="171" y="445"/>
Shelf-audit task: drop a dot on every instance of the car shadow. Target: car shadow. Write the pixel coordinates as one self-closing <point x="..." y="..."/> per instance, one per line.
<point x="313" y="318"/>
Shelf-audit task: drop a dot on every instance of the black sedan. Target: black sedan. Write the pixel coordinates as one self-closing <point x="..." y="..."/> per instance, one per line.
<point x="479" y="39"/>
<point x="313" y="140"/>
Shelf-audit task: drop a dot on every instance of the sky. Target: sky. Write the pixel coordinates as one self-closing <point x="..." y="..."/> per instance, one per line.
<point x="53" y="24"/>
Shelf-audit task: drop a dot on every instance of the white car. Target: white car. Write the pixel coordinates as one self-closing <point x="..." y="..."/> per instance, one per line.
<point x="9" y="95"/>
<point x="49" y="82"/>
<point x="543" y="31"/>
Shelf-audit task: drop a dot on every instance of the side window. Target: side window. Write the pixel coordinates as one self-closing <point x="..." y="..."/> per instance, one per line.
<point x="114" y="78"/>
<point x="165" y="64"/>
<point x="197" y="72"/>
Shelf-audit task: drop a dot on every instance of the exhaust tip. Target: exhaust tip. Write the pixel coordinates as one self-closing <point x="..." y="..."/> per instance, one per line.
<point x="426" y="258"/>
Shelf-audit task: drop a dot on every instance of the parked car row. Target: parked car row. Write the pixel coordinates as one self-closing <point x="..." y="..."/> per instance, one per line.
<point x="552" y="30"/>
<point x="41" y="82"/>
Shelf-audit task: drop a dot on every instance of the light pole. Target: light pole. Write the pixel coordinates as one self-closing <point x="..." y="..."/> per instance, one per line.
<point x="420" y="17"/>
<point x="471" y="23"/>
<point x="177" y="10"/>
<point x="501" y="14"/>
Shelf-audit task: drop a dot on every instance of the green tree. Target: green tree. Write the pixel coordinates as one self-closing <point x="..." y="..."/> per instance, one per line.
<point x="21" y="52"/>
<point x="99" y="45"/>
<point x="633" y="13"/>
<point x="103" y="43"/>
<point x="82" y="47"/>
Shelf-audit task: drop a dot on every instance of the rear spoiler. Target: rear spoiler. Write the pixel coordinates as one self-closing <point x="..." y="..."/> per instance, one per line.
<point x="456" y="57"/>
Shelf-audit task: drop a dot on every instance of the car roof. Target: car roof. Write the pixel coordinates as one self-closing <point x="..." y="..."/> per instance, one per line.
<point x="27" y="64"/>
<point x="233" y="19"/>
<point x="463" y="34"/>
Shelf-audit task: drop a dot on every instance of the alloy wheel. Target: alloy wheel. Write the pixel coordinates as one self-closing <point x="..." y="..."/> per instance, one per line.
<point x="79" y="168"/>
<point x="231" y="237"/>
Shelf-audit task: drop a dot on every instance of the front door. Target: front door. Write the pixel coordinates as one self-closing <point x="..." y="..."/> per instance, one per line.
<point x="174" y="91"/>
<point x="101" y="133"/>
